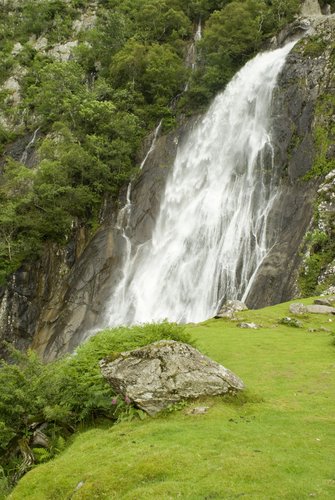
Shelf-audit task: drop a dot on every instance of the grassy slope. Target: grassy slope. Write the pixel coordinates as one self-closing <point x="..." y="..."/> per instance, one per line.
<point x="278" y="444"/>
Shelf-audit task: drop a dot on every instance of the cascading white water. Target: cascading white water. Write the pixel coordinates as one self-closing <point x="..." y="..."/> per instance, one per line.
<point x="211" y="234"/>
<point x="25" y="153"/>
<point x="153" y="143"/>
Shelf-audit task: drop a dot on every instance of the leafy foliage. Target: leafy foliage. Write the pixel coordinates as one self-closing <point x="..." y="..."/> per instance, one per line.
<point x="320" y="241"/>
<point x="126" y="73"/>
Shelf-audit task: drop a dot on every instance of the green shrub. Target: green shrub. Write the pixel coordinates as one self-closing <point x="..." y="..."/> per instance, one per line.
<point x="295" y="323"/>
<point x="69" y="392"/>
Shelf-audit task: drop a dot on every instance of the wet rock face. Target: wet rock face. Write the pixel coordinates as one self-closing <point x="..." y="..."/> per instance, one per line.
<point x="57" y="316"/>
<point x="36" y="293"/>
<point x="303" y="81"/>
<point x="166" y="372"/>
<point x="28" y="291"/>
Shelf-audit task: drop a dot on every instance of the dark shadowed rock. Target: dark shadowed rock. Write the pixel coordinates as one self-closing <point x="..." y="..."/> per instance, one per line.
<point x="302" y="82"/>
<point x="166" y="372"/>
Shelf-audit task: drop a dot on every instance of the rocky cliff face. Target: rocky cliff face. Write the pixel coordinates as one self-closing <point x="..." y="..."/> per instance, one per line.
<point x="52" y="303"/>
<point x="307" y="78"/>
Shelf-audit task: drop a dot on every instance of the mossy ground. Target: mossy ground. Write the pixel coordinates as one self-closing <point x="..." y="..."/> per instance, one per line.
<point x="275" y="442"/>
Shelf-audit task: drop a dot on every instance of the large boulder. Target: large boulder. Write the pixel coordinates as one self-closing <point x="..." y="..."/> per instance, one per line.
<point x="165" y="372"/>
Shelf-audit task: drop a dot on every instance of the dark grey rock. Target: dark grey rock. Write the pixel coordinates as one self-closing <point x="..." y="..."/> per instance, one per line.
<point x="302" y="82"/>
<point x="166" y="372"/>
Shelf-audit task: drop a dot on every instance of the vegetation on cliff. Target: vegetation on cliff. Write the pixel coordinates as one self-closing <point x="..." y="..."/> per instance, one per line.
<point x="317" y="273"/>
<point x="87" y="94"/>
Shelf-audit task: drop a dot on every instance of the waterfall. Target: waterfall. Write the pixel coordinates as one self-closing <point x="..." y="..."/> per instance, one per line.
<point x="153" y="144"/>
<point x="191" y="53"/>
<point x="198" y="33"/>
<point x="25" y="153"/>
<point x="212" y="231"/>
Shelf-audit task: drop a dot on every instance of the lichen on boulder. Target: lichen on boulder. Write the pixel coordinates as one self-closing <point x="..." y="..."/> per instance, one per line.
<point x="165" y="372"/>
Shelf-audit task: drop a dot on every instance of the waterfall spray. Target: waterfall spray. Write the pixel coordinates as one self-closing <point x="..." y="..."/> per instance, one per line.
<point x="211" y="234"/>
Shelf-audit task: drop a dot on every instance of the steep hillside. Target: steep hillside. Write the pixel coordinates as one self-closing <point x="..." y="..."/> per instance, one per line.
<point x="276" y="441"/>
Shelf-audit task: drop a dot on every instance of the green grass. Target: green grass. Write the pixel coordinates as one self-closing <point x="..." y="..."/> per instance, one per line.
<point x="275" y="442"/>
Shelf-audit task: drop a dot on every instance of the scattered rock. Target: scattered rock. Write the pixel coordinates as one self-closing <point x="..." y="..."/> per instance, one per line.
<point x="291" y="322"/>
<point x="298" y="308"/>
<point x="18" y="47"/>
<point x="316" y="309"/>
<point x="165" y="372"/>
<point x="79" y="485"/>
<point x="329" y="291"/>
<point x="63" y="51"/>
<point x="39" y="439"/>
<point x="323" y="329"/>
<point x="40" y="44"/>
<point x="86" y="21"/>
<point x="320" y="306"/>
<point x="199" y="410"/>
<point x="253" y="326"/>
<point x="323" y="302"/>
<point x="229" y="309"/>
<point x="13" y="86"/>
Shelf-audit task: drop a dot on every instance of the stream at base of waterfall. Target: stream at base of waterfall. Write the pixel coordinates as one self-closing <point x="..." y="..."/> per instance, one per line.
<point x="212" y="231"/>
